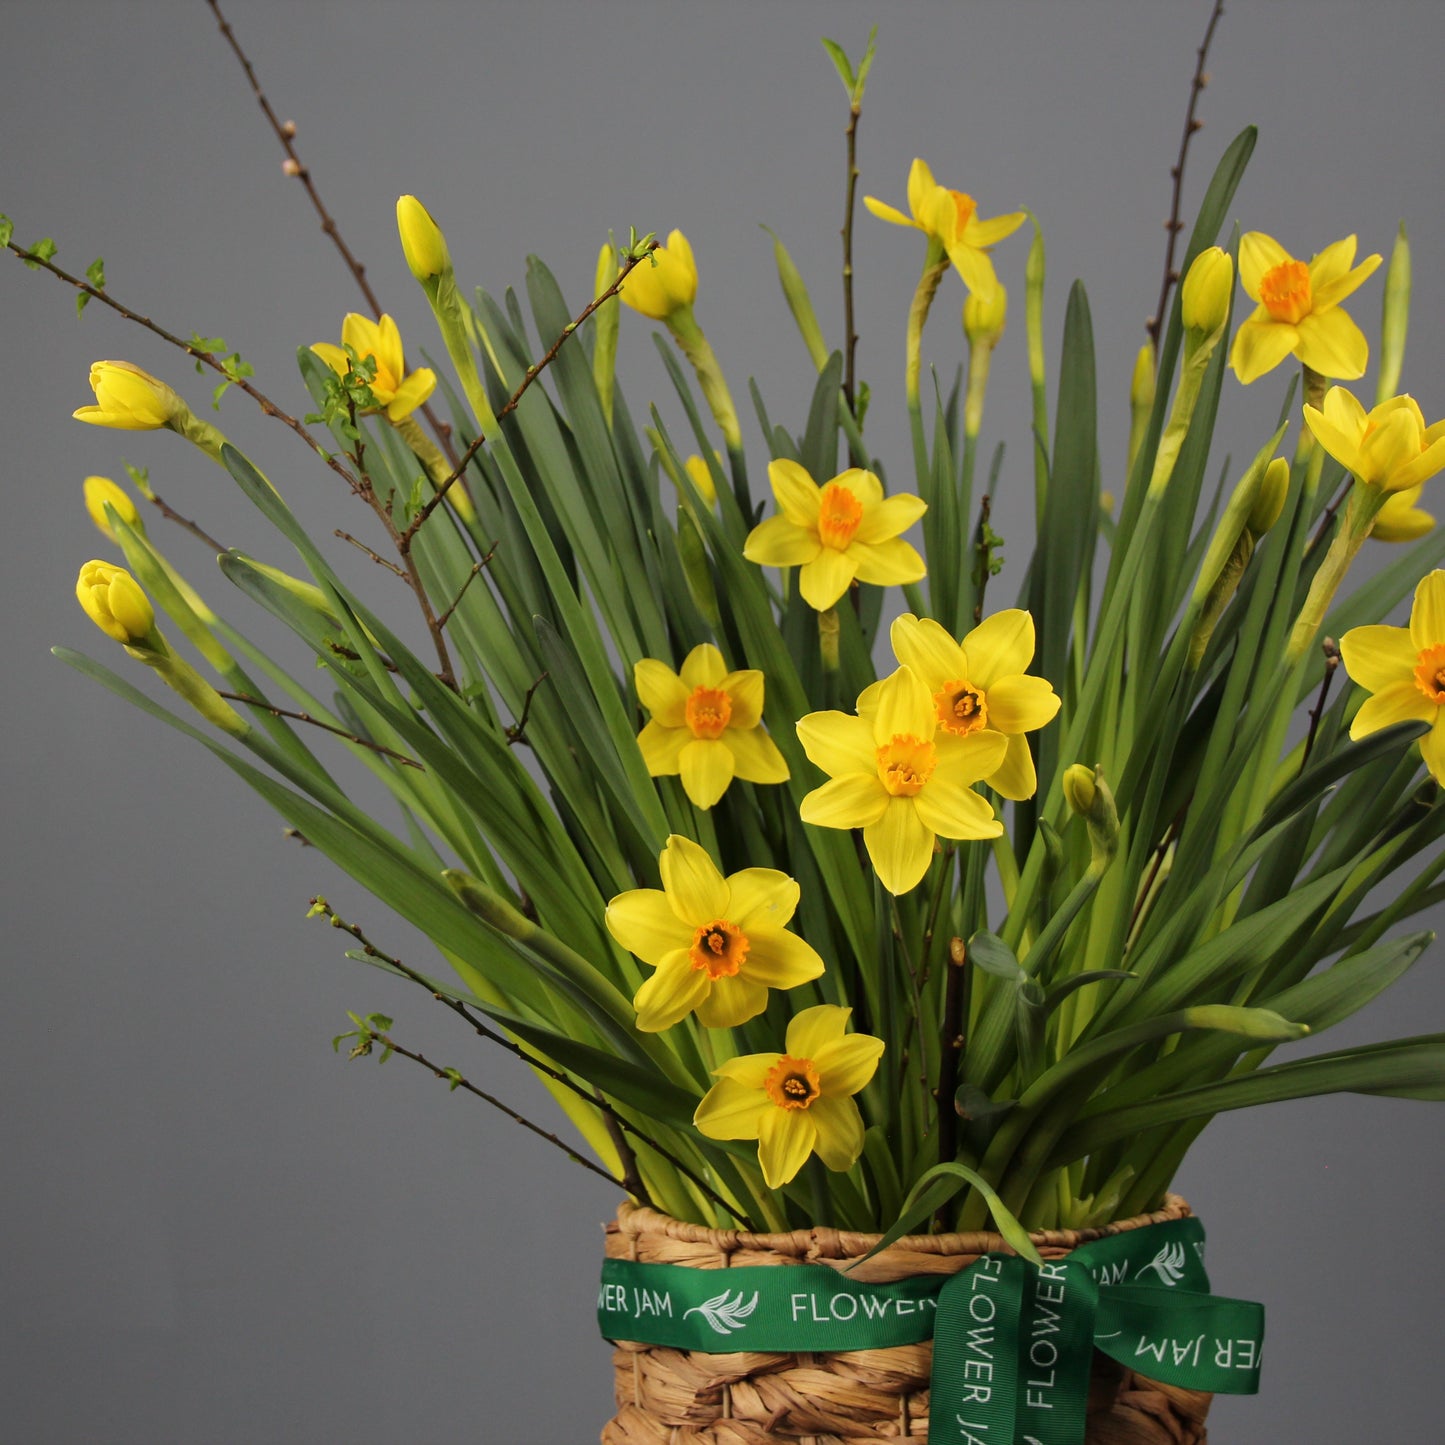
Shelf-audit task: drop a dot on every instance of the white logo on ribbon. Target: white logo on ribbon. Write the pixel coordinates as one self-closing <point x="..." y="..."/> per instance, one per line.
<point x="724" y="1312"/>
<point x="1168" y="1264"/>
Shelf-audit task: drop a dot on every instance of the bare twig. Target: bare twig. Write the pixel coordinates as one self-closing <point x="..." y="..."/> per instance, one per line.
<point x="327" y="727"/>
<point x="476" y="569"/>
<point x="955" y="1012"/>
<point x="375" y="556"/>
<point x="1331" y="650"/>
<point x="1174" y="225"/>
<point x="850" y="335"/>
<point x="172" y="515"/>
<point x="517" y="732"/>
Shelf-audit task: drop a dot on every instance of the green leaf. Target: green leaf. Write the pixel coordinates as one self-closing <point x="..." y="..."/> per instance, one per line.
<point x="989" y="952"/>
<point x="841" y="63"/>
<point x="7" y="230"/>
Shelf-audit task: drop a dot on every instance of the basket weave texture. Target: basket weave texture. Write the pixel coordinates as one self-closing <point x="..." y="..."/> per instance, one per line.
<point x="856" y="1397"/>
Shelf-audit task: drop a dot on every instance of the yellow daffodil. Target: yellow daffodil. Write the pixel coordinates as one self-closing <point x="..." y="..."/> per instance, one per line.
<point x="896" y="772"/>
<point x="981" y="685"/>
<point x="799" y="1102"/>
<point x="128" y="398"/>
<point x="114" y="601"/>
<point x="1400" y="520"/>
<point x="705" y="725"/>
<point x="1204" y="293"/>
<point x="658" y="290"/>
<point x="422" y="241"/>
<point x="397" y="392"/>
<point x="839" y="532"/>
<point x="1403" y="668"/>
<point x="101" y="490"/>
<point x="718" y="944"/>
<point x="951" y="218"/>
<point x="1389" y="447"/>
<point x="1297" y="309"/>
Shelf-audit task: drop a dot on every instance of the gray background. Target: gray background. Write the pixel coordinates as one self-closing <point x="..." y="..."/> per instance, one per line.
<point x="216" y="1229"/>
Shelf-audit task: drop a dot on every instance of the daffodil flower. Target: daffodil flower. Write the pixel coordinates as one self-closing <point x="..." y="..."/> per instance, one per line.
<point x="705" y="725"/>
<point x="664" y="282"/>
<point x="1389" y="447"/>
<point x="1297" y="309"/>
<point x="901" y="776"/>
<point x="398" y="393"/>
<point x="982" y="685"/>
<point x="114" y="601"/>
<point x="129" y="399"/>
<point x="842" y="531"/>
<point x="951" y="218"/>
<point x="799" y="1102"/>
<point x="1400" y="519"/>
<point x="718" y="944"/>
<point x="1403" y="668"/>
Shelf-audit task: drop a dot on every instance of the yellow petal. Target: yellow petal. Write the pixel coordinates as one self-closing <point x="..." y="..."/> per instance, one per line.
<point x="389" y="357"/>
<point x="900" y="846"/>
<point x="756" y="758"/>
<point x="412" y="393"/>
<point x="888" y="564"/>
<point x="886" y="212"/>
<point x="696" y="891"/>
<point x="732" y="1001"/>
<point x="785" y="1139"/>
<point x="333" y="356"/>
<point x="745" y="692"/>
<point x="1388" y="447"/>
<point x="1258" y="253"/>
<point x="1400" y="520"/>
<point x="1020" y="704"/>
<point x="706" y="768"/>
<point x="795" y="492"/>
<point x="811" y="1029"/>
<point x="989" y="233"/>
<point x="1332" y="263"/>
<point x="661" y="691"/>
<point x="846" y="1063"/>
<point x="855" y="800"/>
<point x="1378" y="656"/>
<point x="1260" y="344"/>
<point x="1419" y="470"/>
<point x="1015" y="777"/>
<point x="702" y="667"/>
<point x="670" y="994"/>
<point x="975" y="268"/>
<point x="950" y="808"/>
<point x="889" y="517"/>
<point x="779" y="959"/>
<point x="904" y="705"/>
<point x="838" y="743"/>
<point x="643" y="922"/>
<point x="1427" y="613"/>
<point x="360" y="334"/>
<point x="970" y="759"/>
<point x="921" y="186"/>
<point x="1400" y="702"/>
<point x="661" y="748"/>
<point x="1000" y="646"/>
<point x="865" y="486"/>
<point x="827" y="577"/>
<point x="732" y="1110"/>
<point x="928" y="649"/>
<point x="777" y="542"/>
<point x="749" y="1070"/>
<point x="840" y="1132"/>
<point x="1432" y="749"/>
<point x="1334" y="430"/>
<point x="1331" y="344"/>
<point x="761" y="898"/>
<point x="1337" y="288"/>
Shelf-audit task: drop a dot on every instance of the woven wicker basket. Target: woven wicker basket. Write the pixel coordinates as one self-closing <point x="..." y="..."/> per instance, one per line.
<point x="677" y="1397"/>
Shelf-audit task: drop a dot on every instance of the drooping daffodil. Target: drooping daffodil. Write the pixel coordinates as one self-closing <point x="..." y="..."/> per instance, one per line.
<point x="397" y="392"/>
<point x="129" y="399"/>
<point x="664" y="282"/>
<point x="981" y="684"/>
<point x="1297" y="310"/>
<point x="717" y="944"/>
<point x="706" y="725"/>
<point x="799" y="1102"/>
<point x="1388" y="447"/>
<point x="1403" y="668"/>
<point x="843" y="531"/>
<point x="899" y="775"/>
<point x="951" y="218"/>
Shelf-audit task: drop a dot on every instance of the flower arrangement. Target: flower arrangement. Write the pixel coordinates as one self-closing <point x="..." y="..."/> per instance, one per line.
<point x="821" y="883"/>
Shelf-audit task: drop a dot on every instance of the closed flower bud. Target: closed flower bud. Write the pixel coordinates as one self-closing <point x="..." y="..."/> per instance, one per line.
<point x="1092" y="799"/>
<point x="1204" y="297"/>
<point x="663" y="282"/>
<point x="113" y="600"/>
<point x="1141" y="386"/>
<point x="1079" y="788"/>
<point x="421" y="240"/>
<point x="129" y="398"/>
<point x="1269" y="499"/>
<point x="984" y="316"/>
<point x="100" y="491"/>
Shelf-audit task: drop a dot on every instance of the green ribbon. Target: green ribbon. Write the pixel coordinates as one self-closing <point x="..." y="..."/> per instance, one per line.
<point x="1012" y="1341"/>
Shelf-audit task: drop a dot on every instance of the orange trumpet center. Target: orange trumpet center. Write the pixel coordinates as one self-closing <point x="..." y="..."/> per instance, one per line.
<point x="709" y="710"/>
<point x="905" y="764"/>
<point x="962" y="708"/>
<point x="964" y="208"/>
<point x="1285" y="291"/>
<point x="1430" y="672"/>
<point x="839" y="513"/>
<point x="792" y="1083"/>
<point x="719" y="947"/>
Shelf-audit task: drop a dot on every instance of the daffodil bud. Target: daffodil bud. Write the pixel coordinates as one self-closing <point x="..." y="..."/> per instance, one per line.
<point x="113" y="600"/>
<point x="1395" y="318"/>
<point x="1204" y="297"/>
<point x="1092" y="799"/>
<point x="604" y="330"/>
<point x="100" y="491"/>
<point x="1079" y="788"/>
<point x="663" y="282"/>
<point x="1142" y="383"/>
<point x="984" y="316"/>
<point x="422" y="241"/>
<point x="128" y="398"/>
<point x="1269" y="499"/>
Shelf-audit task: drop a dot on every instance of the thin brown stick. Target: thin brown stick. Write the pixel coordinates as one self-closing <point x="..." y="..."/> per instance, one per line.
<point x="850" y="334"/>
<point x="172" y="515"/>
<point x="517" y="732"/>
<point x="285" y="132"/>
<point x="1331" y="650"/>
<point x="955" y="999"/>
<point x="1174" y="225"/>
<point x="475" y="572"/>
<point x="327" y="727"/>
<point x="375" y="556"/>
